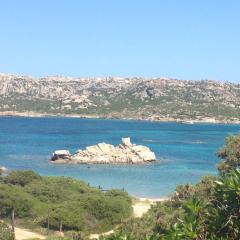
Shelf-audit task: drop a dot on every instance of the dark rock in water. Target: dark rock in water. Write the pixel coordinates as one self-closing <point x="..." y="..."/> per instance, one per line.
<point x="61" y="155"/>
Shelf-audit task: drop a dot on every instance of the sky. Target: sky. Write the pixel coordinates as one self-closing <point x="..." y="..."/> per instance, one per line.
<point x="184" y="39"/>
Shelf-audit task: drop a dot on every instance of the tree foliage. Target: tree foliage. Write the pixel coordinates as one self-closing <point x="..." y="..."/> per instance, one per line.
<point x="225" y="213"/>
<point x="70" y="203"/>
<point x="21" y="178"/>
<point x="230" y="155"/>
<point x="5" y="232"/>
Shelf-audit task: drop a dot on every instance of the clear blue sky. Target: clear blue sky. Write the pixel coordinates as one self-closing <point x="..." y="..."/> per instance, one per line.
<point x="186" y="39"/>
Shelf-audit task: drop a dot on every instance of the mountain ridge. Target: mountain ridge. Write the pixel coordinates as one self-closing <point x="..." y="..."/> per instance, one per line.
<point x="162" y="99"/>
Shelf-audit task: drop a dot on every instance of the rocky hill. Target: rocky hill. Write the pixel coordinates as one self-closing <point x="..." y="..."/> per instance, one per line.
<point x="115" y="97"/>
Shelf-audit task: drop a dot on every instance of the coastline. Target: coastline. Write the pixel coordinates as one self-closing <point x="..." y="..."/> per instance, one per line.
<point x="142" y="205"/>
<point x="32" y="114"/>
<point x="151" y="200"/>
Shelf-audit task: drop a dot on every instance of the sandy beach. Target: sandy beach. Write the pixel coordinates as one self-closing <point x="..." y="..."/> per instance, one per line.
<point x="142" y="205"/>
<point x="25" y="234"/>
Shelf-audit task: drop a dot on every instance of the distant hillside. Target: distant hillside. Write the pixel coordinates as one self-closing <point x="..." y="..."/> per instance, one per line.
<point x="136" y="98"/>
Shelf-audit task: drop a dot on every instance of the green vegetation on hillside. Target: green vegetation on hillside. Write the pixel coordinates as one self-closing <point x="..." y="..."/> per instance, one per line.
<point x="71" y="204"/>
<point x="5" y="232"/>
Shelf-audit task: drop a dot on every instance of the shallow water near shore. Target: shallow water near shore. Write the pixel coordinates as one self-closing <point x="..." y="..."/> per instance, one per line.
<point x="185" y="152"/>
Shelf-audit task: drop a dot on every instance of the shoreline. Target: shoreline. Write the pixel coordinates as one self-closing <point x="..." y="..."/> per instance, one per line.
<point x="151" y="200"/>
<point x="142" y="205"/>
<point x="31" y="114"/>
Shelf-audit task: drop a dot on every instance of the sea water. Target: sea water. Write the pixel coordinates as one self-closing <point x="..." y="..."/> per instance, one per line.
<point x="185" y="152"/>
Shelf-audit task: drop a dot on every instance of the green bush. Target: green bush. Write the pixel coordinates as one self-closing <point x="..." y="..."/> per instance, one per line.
<point x="21" y="178"/>
<point x="230" y="155"/>
<point x="58" y="238"/>
<point x="5" y="232"/>
<point x="72" y="204"/>
<point x="13" y="197"/>
<point x="225" y="213"/>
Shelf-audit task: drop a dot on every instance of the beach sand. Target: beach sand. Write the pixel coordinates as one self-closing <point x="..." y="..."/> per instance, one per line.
<point x="24" y="234"/>
<point x="142" y="205"/>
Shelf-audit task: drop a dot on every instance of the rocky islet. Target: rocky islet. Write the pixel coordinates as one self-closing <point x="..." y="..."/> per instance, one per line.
<point x="103" y="153"/>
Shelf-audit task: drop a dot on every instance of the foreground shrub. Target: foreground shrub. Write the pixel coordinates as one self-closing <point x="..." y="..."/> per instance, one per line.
<point x="64" y="203"/>
<point x="21" y="178"/>
<point x="59" y="238"/>
<point x="230" y="155"/>
<point x="225" y="214"/>
<point x="5" y="232"/>
<point x="13" y="197"/>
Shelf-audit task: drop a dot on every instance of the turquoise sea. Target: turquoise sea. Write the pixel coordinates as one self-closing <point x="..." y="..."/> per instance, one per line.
<point x="185" y="152"/>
